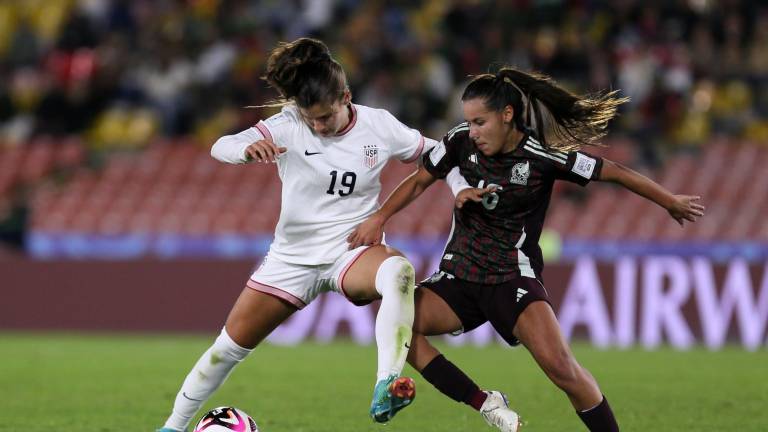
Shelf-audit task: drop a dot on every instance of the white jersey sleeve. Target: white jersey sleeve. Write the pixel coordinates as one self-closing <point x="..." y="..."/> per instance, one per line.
<point x="406" y="144"/>
<point x="456" y="181"/>
<point x="281" y="127"/>
<point x="231" y="148"/>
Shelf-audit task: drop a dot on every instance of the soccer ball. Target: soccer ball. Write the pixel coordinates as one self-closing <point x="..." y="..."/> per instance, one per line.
<point x="226" y="419"/>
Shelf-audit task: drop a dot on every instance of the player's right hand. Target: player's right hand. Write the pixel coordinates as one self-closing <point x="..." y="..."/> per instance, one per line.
<point x="473" y="194"/>
<point x="263" y="151"/>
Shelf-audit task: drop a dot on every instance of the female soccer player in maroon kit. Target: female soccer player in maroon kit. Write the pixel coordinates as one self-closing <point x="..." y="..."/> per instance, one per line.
<point x="522" y="132"/>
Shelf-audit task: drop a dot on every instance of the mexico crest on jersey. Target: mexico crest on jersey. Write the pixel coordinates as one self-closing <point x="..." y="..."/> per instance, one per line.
<point x="520" y="173"/>
<point x="371" y="155"/>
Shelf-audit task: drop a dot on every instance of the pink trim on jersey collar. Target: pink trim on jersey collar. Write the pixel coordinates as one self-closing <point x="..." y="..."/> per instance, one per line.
<point x="351" y="123"/>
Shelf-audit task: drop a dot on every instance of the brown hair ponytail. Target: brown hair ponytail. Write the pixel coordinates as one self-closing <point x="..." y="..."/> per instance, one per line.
<point x="304" y="72"/>
<point x="562" y="120"/>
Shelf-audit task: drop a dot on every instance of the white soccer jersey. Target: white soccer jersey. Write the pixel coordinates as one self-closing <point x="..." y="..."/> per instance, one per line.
<point x="330" y="184"/>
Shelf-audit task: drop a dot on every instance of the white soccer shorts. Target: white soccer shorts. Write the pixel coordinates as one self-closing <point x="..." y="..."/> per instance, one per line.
<point x="300" y="284"/>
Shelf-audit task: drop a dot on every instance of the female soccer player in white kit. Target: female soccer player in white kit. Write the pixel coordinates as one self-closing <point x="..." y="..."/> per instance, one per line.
<point x="329" y="154"/>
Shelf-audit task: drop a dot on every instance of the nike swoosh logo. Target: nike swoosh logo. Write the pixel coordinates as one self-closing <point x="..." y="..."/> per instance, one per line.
<point x="306" y="153"/>
<point x="407" y="345"/>
<point x="196" y="400"/>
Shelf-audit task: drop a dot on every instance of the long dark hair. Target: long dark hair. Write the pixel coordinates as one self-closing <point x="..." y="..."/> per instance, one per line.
<point x="304" y="72"/>
<point x="563" y="121"/>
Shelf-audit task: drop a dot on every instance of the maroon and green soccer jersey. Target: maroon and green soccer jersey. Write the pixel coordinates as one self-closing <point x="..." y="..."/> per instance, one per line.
<point x="497" y="240"/>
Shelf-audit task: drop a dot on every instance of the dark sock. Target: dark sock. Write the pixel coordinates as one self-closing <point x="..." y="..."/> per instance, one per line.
<point x="477" y="399"/>
<point x="599" y="418"/>
<point x="452" y="382"/>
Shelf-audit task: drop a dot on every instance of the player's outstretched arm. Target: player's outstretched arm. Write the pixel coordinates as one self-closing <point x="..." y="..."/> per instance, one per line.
<point x="681" y="207"/>
<point x="370" y="231"/>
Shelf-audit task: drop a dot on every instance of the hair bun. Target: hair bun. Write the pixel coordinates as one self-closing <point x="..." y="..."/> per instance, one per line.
<point x="303" y="70"/>
<point x="306" y="50"/>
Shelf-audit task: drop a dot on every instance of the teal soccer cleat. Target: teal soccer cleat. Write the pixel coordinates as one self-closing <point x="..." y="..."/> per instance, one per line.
<point x="168" y="430"/>
<point x="390" y="396"/>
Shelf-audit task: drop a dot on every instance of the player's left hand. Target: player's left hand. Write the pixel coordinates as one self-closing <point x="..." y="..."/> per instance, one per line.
<point x="472" y="194"/>
<point x="684" y="208"/>
<point x="367" y="233"/>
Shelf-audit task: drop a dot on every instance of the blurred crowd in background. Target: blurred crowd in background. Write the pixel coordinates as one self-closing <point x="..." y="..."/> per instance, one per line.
<point x="118" y="74"/>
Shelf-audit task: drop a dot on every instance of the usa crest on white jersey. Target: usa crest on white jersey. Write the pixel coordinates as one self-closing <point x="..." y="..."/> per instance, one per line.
<point x="371" y="155"/>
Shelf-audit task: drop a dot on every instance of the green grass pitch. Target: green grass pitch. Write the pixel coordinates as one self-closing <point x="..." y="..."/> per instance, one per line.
<point x="101" y="383"/>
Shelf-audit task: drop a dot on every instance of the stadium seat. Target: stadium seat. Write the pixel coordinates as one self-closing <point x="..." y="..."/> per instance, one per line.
<point x="177" y="188"/>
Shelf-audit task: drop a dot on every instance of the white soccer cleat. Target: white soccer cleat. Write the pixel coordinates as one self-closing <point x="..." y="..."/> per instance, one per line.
<point x="496" y="412"/>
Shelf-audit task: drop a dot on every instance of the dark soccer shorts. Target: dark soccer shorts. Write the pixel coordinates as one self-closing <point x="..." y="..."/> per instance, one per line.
<point x="475" y="304"/>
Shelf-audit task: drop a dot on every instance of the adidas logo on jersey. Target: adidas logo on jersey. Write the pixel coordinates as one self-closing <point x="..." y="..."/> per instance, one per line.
<point x="520" y="293"/>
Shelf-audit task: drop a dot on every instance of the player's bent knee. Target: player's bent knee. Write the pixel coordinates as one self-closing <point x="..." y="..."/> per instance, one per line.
<point x="226" y="347"/>
<point x="396" y="276"/>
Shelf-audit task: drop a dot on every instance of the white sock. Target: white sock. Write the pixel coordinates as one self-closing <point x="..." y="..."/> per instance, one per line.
<point x="395" y="282"/>
<point x="205" y="377"/>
